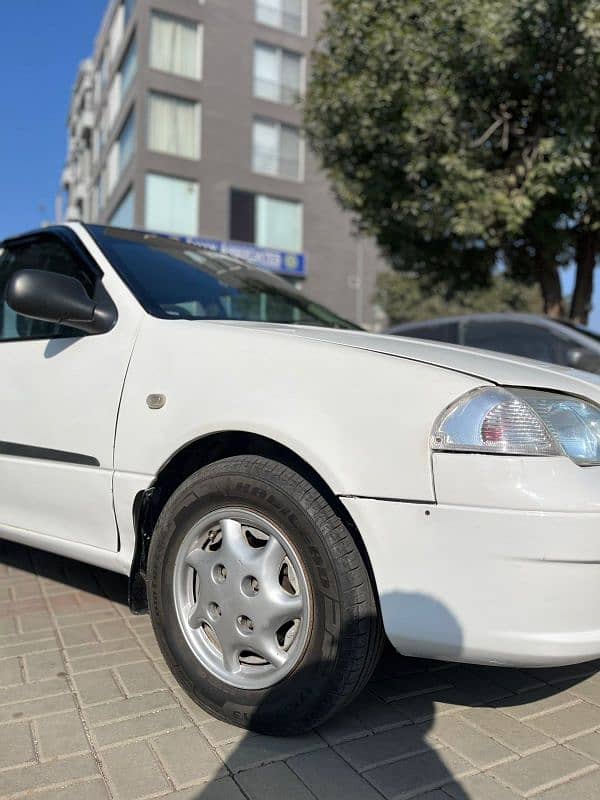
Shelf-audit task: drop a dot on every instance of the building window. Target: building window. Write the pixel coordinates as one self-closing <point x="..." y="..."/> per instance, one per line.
<point x="266" y="221"/>
<point x="100" y="189"/>
<point x="121" y="153"/>
<point x="277" y="74"/>
<point x="112" y="168"/>
<point x="285" y="14"/>
<point x="172" y="205"/>
<point x="114" y="99"/>
<point x="128" y="67"/>
<point x="276" y="149"/>
<point x="175" y="46"/>
<point x="127" y="142"/>
<point x="128" y="6"/>
<point x="115" y="35"/>
<point x="173" y="125"/>
<point x="104" y="65"/>
<point x="123" y="215"/>
<point x="95" y="201"/>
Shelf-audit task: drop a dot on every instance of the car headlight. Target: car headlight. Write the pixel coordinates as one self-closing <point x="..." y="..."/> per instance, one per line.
<point x="520" y="422"/>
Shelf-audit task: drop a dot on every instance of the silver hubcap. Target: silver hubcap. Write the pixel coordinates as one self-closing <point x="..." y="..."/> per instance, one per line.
<point x="242" y="598"/>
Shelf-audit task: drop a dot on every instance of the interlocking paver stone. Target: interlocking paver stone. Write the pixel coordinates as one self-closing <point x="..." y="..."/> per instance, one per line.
<point x="187" y="757"/>
<point x="251" y="751"/>
<point x="419" y="773"/>
<point x="387" y="746"/>
<point x="89" y="709"/>
<point x="140" y="727"/>
<point x="40" y="707"/>
<point x="568" y="722"/>
<point x="508" y="731"/>
<point x="60" y="735"/>
<point x="223" y="789"/>
<point x="10" y="672"/>
<point x="82" y="790"/>
<point x="53" y="773"/>
<point x="134" y="772"/>
<point x="479" y="787"/>
<point x="475" y="746"/>
<point x="137" y="678"/>
<point x="585" y="788"/>
<point x="273" y="782"/>
<point x="16" y="746"/>
<point x="131" y="707"/>
<point x="40" y="666"/>
<point x="588" y="745"/>
<point x="534" y="772"/>
<point x="330" y="778"/>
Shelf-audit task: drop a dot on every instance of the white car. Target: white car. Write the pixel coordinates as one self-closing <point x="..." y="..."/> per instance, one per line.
<point x="286" y="488"/>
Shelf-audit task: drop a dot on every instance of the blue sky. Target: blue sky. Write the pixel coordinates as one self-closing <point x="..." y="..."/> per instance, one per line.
<point x="42" y="45"/>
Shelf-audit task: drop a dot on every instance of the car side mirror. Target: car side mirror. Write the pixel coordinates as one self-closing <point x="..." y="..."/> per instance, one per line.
<point x="574" y="356"/>
<point x="52" y="297"/>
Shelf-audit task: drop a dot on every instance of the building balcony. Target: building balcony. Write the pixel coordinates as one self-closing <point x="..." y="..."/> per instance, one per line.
<point x="68" y="175"/>
<point x="85" y="122"/>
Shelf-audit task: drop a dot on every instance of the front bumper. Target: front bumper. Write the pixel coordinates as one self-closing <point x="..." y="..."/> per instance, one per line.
<point x="483" y="584"/>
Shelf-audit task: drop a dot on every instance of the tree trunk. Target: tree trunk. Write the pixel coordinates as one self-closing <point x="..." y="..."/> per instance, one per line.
<point x="585" y="257"/>
<point x="549" y="280"/>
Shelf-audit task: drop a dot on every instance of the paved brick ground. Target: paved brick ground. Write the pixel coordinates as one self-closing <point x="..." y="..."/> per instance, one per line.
<point x="89" y="710"/>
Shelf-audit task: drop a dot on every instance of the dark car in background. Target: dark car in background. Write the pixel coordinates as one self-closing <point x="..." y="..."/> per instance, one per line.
<point x="555" y="341"/>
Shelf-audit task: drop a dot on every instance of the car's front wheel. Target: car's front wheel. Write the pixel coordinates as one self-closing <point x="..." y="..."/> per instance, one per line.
<point x="259" y="597"/>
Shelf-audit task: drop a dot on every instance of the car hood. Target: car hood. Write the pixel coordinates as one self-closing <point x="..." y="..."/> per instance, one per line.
<point x="494" y="367"/>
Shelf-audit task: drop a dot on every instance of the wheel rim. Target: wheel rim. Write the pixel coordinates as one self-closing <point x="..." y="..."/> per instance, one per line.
<point x="242" y="598"/>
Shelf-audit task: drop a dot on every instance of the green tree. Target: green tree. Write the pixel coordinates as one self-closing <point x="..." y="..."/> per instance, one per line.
<point x="461" y="133"/>
<point x="407" y="298"/>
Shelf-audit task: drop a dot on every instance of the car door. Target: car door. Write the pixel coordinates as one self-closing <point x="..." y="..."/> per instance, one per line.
<point x="59" y="401"/>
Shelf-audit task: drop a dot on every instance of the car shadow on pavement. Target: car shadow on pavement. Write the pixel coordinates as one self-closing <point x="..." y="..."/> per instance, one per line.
<point x="418" y="726"/>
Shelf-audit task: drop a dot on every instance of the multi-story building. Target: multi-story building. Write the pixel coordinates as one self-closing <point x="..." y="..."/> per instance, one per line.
<point x="185" y="120"/>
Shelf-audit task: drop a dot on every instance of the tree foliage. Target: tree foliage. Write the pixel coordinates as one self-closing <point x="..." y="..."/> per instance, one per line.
<point x="459" y="133"/>
<point x="406" y="298"/>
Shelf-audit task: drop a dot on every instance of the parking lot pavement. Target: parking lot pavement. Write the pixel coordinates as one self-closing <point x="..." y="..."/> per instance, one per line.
<point x="89" y="710"/>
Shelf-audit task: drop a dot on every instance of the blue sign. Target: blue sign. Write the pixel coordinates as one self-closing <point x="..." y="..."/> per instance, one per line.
<point x="293" y="265"/>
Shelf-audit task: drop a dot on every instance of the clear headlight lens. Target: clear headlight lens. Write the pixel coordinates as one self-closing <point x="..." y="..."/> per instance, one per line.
<point x="524" y="422"/>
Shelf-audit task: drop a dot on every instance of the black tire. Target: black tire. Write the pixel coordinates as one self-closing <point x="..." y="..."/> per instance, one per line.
<point x="346" y="635"/>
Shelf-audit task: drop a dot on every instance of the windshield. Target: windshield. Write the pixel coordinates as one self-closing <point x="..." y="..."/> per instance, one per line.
<point x="176" y="280"/>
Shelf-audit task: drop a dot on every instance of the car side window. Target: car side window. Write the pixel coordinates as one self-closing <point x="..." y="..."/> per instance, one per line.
<point x="514" y="338"/>
<point x="45" y="253"/>
<point x="437" y="332"/>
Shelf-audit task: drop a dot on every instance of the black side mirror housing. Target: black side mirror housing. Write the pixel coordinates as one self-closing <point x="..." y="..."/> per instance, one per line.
<point x="52" y="297"/>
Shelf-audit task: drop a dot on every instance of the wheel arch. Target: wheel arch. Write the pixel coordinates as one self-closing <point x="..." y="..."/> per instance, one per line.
<point x="198" y="453"/>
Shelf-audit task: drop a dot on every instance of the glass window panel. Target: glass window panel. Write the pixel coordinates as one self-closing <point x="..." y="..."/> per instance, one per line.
<point x="175" y="45"/>
<point x="112" y="167"/>
<point x="116" y="32"/>
<point x="291" y="67"/>
<point x="173" y="125"/>
<point x="266" y="72"/>
<point x="172" y="205"/>
<point x="285" y="14"/>
<point x="114" y="99"/>
<point x="276" y="149"/>
<point x="289" y="152"/>
<point x="128" y="67"/>
<point x="292" y="15"/>
<point x="278" y="224"/>
<point x="127" y="142"/>
<point x="123" y="216"/>
<point x="128" y="6"/>
<point x="265" y="147"/>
